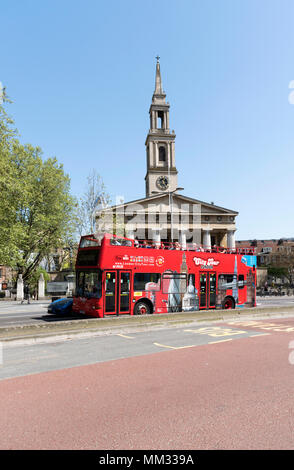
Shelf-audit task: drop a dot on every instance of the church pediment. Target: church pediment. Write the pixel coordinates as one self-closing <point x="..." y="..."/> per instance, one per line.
<point x="206" y="208"/>
<point x="161" y="202"/>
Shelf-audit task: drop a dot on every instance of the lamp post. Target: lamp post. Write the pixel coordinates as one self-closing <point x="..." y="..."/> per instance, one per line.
<point x="170" y="201"/>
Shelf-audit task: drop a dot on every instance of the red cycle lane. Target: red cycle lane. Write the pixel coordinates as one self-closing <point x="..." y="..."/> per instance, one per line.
<point x="231" y="395"/>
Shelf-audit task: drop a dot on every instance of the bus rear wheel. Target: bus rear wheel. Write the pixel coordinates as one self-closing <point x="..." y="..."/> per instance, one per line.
<point x="142" y="308"/>
<point x="228" y="303"/>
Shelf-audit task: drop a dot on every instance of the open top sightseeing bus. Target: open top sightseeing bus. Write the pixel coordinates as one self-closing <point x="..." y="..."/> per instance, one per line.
<point x="118" y="276"/>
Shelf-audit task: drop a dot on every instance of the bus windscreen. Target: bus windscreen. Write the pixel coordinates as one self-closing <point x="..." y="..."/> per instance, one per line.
<point x="87" y="258"/>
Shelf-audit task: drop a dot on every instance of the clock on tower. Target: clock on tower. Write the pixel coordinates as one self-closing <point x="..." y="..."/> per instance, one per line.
<point x="162" y="183"/>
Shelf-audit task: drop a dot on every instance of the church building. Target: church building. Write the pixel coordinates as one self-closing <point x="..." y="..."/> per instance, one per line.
<point x="165" y="214"/>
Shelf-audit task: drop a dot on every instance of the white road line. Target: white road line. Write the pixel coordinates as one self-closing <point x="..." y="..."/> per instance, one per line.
<point x="125" y="336"/>
<point x="220" y="341"/>
<point x="173" y="347"/>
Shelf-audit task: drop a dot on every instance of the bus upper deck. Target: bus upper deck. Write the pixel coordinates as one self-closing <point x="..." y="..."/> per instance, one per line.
<point x="89" y="241"/>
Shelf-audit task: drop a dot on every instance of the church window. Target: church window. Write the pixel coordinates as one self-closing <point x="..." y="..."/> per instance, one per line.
<point x="162" y="154"/>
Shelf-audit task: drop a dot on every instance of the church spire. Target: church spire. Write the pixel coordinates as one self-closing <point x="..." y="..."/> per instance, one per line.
<point x="158" y="84"/>
<point x="158" y="95"/>
<point x="160" y="144"/>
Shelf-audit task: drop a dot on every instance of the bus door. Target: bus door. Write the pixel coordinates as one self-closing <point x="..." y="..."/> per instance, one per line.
<point x="207" y="290"/>
<point x="117" y="292"/>
<point x="124" y="287"/>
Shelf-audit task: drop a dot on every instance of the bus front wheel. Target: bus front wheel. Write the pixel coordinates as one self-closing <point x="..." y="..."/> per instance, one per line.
<point x="228" y="303"/>
<point x="142" y="308"/>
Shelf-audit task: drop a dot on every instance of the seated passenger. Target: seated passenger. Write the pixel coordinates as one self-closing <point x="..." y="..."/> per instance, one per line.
<point x="146" y="245"/>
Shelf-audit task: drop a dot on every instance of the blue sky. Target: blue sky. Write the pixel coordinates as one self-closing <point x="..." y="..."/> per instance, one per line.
<point x="81" y="76"/>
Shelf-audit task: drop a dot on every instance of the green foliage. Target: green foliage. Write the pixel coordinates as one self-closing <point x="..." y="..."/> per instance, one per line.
<point x="33" y="279"/>
<point x="36" y="209"/>
<point x="277" y="271"/>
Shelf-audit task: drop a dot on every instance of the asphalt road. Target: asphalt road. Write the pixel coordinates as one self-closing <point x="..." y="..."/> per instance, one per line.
<point x="23" y="359"/>
<point x="15" y="313"/>
<point x="209" y="386"/>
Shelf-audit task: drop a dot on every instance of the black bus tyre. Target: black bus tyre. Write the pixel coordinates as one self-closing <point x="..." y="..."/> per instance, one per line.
<point x="142" y="308"/>
<point x="228" y="303"/>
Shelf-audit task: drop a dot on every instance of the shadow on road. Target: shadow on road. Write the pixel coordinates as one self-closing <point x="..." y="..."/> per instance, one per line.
<point x="51" y="318"/>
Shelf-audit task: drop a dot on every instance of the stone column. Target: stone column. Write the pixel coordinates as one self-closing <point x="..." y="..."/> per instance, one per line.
<point x="164" y="121"/>
<point x="183" y="241"/>
<point x="151" y="162"/>
<point x="41" y="287"/>
<point x="130" y="234"/>
<point x="155" y="154"/>
<point x="153" y="120"/>
<point x="169" y="162"/>
<point x="19" y="289"/>
<point x="156" y="238"/>
<point x="173" y="160"/>
<point x="231" y="239"/>
<point x="206" y="240"/>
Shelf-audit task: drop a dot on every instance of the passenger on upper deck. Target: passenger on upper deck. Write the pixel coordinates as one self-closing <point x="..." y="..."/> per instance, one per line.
<point x="146" y="245"/>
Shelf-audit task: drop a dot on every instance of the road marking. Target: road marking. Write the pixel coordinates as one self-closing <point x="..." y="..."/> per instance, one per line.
<point x="265" y="326"/>
<point x="221" y="341"/>
<point x="173" y="347"/>
<point x="261" y="334"/>
<point x="125" y="336"/>
<point x="216" y="331"/>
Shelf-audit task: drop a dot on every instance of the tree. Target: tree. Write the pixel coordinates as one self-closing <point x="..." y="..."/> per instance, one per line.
<point x="94" y="198"/>
<point x="37" y="210"/>
<point x="283" y="266"/>
<point x="34" y="279"/>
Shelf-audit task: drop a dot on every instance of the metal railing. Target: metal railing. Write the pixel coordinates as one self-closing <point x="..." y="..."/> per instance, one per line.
<point x="192" y="247"/>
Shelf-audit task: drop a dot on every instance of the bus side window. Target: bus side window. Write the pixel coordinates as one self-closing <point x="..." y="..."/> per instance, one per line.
<point x="141" y="279"/>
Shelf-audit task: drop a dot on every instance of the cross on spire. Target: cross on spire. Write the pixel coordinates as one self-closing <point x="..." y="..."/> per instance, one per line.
<point x="157" y="57"/>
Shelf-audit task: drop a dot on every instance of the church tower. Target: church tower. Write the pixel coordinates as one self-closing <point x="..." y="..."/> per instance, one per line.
<point x="161" y="173"/>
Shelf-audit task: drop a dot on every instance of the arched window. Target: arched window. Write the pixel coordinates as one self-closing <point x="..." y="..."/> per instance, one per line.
<point x="162" y="156"/>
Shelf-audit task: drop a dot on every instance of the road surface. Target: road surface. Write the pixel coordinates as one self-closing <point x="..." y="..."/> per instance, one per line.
<point x="211" y="386"/>
<point x="15" y="313"/>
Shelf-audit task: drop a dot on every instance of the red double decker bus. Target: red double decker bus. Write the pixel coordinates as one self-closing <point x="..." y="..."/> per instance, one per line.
<point x="118" y="276"/>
